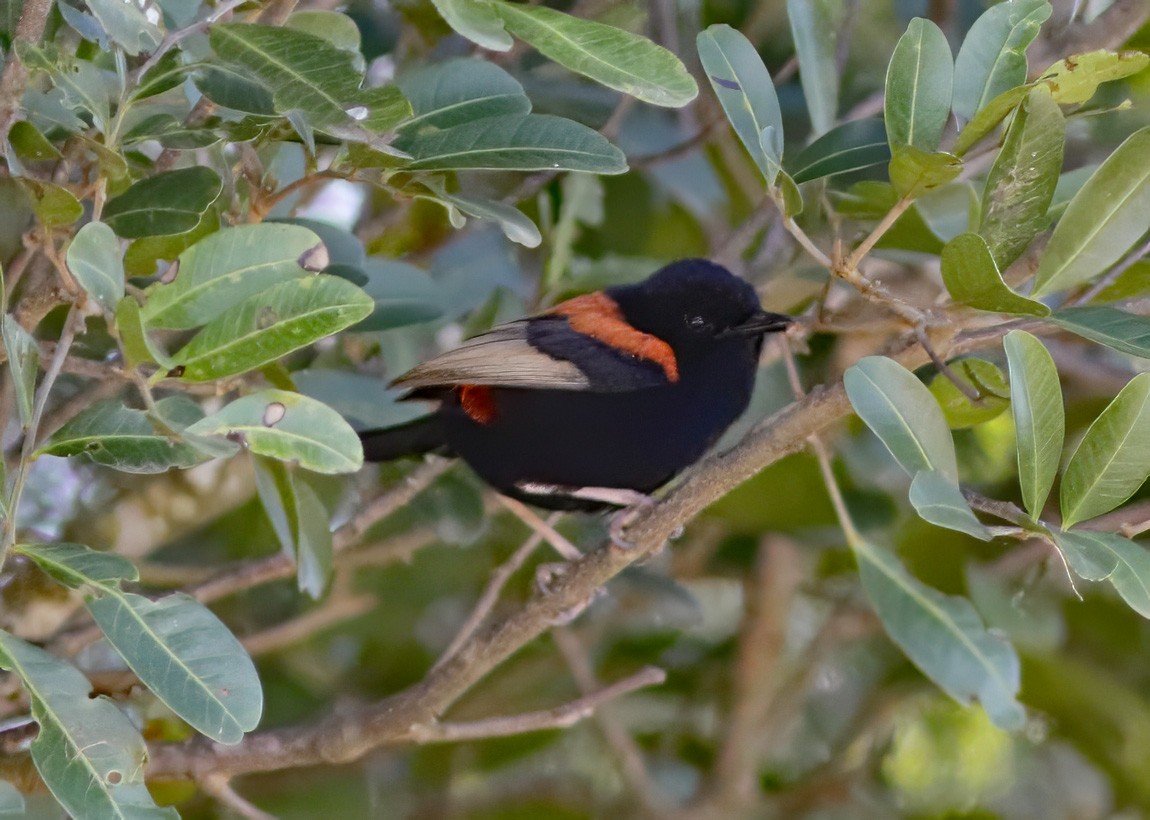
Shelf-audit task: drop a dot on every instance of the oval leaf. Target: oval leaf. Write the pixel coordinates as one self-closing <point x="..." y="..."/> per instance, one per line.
<point x="943" y="636"/>
<point x="900" y="410"/>
<point x="88" y="752"/>
<point x="187" y="657"/>
<point x="95" y="262"/>
<point x="271" y="324"/>
<point x="225" y="268"/>
<point x="456" y="91"/>
<point x="971" y="276"/>
<point x="53" y="204"/>
<point x="1108" y="215"/>
<point x="77" y="565"/>
<point x="1103" y="555"/>
<point x="1021" y="183"/>
<point x="1117" y="329"/>
<point x="993" y="54"/>
<point x="851" y="146"/>
<point x="940" y="501"/>
<point x="288" y="427"/>
<point x="919" y="81"/>
<point x="979" y="375"/>
<point x="164" y="204"/>
<point x="814" y="29"/>
<point x="533" y="142"/>
<point x="1039" y="419"/>
<point x="1113" y="459"/>
<point x="611" y="56"/>
<point x="746" y="93"/>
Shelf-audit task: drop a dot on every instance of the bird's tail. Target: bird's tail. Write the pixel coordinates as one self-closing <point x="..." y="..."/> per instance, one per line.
<point x="424" y="435"/>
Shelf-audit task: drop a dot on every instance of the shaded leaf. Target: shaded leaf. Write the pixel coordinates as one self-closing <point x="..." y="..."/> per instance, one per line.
<point x="11" y="801"/>
<point x="943" y="636"/>
<point x="940" y="501"/>
<point x="53" y="204"/>
<point x="919" y="80"/>
<point x="456" y="91"/>
<point x="127" y="25"/>
<point x="271" y="324"/>
<point x="971" y="276"/>
<point x="288" y="427"/>
<point x="851" y="146"/>
<point x="814" y="28"/>
<point x="901" y="411"/>
<point x="1039" y="419"/>
<point x="610" y="56"/>
<point x="1021" y="183"/>
<point x="23" y="365"/>
<point x="477" y="21"/>
<point x="1113" y="459"/>
<point x="88" y="752"/>
<point x="366" y="400"/>
<point x="1124" y="563"/>
<point x="1107" y="215"/>
<point x="913" y="172"/>
<point x="95" y="262"/>
<point x="992" y="58"/>
<point x="77" y="565"/>
<point x="532" y="142"/>
<point x="746" y="93"/>
<point x="300" y="521"/>
<point x="30" y="144"/>
<point x="989" y="118"/>
<point x="1117" y="329"/>
<point x="169" y="203"/>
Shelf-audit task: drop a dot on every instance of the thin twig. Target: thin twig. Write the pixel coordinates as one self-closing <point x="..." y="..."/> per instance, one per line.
<point x="220" y="788"/>
<point x="174" y="37"/>
<point x="560" y="717"/>
<point x="336" y="609"/>
<point x="525" y="514"/>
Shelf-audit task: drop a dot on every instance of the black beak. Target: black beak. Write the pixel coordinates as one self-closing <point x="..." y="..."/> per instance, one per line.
<point x="759" y="323"/>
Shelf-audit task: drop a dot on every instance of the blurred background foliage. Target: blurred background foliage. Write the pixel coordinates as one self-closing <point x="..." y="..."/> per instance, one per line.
<point x="783" y="696"/>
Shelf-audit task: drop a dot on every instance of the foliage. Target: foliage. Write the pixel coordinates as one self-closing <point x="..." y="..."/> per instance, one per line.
<point x="226" y="227"/>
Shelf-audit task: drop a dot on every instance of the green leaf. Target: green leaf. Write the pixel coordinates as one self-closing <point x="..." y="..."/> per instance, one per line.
<point x="851" y="146"/>
<point x="271" y="324"/>
<point x="972" y="278"/>
<point x="531" y="142"/>
<point x="1021" y="183"/>
<point x="1113" y="459"/>
<point x="53" y="204"/>
<point x="124" y="439"/>
<point x="1132" y="282"/>
<point x="515" y="225"/>
<point x="30" y="144"/>
<point x="943" y="636"/>
<point x="1102" y="555"/>
<point x="95" y="261"/>
<point x="452" y="92"/>
<point x="477" y="21"/>
<point x="985" y="379"/>
<point x="1076" y="79"/>
<point x="168" y="73"/>
<point x="11" y="801"/>
<point x="940" y="501"/>
<point x="23" y="365"/>
<point x="88" y="752"/>
<point x="127" y="25"/>
<point x="814" y="29"/>
<point x="746" y="93"/>
<point x="143" y="256"/>
<point x="138" y="347"/>
<point x="918" y="87"/>
<point x="168" y="203"/>
<point x="901" y="411"/>
<point x="288" y="427"/>
<point x="227" y="267"/>
<point x="333" y="26"/>
<point x="171" y="132"/>
<point x="987" y="119"/>
<point x="1117" y="329"/>
<point x="610" y="56"/>
<point x="386" y="108"/>
<point x="300" y="521"/>
<point x="1039" y="420"/>
<point x="1107" y="215"/>
<point x="77" y="565"/>
<point x="366" y="400"/>
<point x="187" y="657"/>
<point x="233" y="87"/>
<point x="992" y="58"/>
<point x="82" y="85"/>
<point x="913" y="172"/>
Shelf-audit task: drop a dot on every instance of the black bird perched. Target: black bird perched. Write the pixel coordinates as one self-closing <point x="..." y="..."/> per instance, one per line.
<point x="600" y="400"/>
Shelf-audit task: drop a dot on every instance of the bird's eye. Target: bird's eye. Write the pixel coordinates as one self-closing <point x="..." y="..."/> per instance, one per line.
<point x="696" y="321"/>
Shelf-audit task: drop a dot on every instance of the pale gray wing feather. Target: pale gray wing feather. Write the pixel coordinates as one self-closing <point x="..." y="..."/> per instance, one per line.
<point x="499" y="358"/>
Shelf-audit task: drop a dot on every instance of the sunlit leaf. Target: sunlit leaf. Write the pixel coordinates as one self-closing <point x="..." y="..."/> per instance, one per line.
<point x="610" y="56"/>
<point x="1108" y="215"/>
<point x="1039" y="420"/>
<point x="1076" y="79"/>
<point x="901" y="411"/>
<point x="1113" y="459"/>
<point x="918" y="87"/>
<point x="980" y="376"/>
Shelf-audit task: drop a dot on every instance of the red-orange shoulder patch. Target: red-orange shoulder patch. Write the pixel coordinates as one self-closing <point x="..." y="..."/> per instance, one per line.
<point x="477" y="402"/>
<point x="597" y="315"/>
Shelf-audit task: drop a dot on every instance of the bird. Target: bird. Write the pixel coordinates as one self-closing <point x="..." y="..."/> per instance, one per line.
<point x="600" y="400"/>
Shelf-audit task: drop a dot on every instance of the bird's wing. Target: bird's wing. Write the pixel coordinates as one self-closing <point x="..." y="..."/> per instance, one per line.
<point x="543" y="352"/>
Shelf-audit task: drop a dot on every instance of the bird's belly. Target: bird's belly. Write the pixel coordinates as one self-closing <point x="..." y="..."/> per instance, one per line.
<point x="635" y="440"/>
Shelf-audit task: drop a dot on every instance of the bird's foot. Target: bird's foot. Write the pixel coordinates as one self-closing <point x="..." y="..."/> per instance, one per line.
<point x="623" y="519"/>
